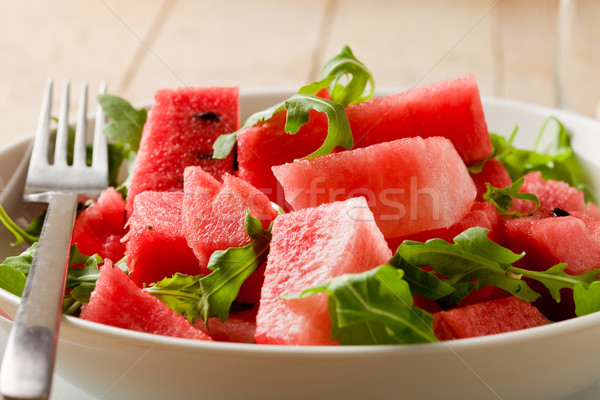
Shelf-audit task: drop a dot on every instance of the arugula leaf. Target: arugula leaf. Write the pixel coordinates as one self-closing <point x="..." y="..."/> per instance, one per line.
<point x="360" y="87"/>
<point x="14" y="271"/>
<point x="28" y="235"/>
<point x="125" y="131"/>
<point x="421" y="283"/>
<point x="472" y="256"/>
<point x="338" y="134"/>
<point x="212" y="295"/>
<point x="502" y="199"/>
<point x="373" y="307"/>
<point x="461" y="290"/>
<point x="82" y="281"/>
<point x="587" y="298"/>
<point x="555" y="278"/>
<point x="556" y="161"/>
<point x="128" y="122"/>
<point x="230" y="269"/>
<point x="181" y="293"/>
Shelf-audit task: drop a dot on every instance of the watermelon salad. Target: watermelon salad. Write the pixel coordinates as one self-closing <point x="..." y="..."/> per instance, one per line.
<point x="332" y="218"/>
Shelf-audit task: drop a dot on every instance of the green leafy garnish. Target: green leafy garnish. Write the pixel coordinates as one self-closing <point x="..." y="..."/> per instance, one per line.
<point x="556" y="160"/>
<point x="29" y="235"/>
<point x="360" y="87"/>
<point x="502" y="199"/>
<point x="421" y="282"/>
<point x="474" y="257"/>
<point x="14" y="271"/>
<point x="373" y="307"/>
<point x="230" y="269"/>
<point x="127" y="122"/>
<point x="124" y="131"/>
<point x="587" y="298"/>
<point x="212" y="295"/>
<point x="338" y="133"/>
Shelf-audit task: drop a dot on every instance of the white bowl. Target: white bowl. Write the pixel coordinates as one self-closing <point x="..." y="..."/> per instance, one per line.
<point x="549" y="362"/>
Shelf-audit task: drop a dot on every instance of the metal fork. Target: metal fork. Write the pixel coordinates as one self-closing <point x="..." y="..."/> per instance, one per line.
<point x="28" y="364"/>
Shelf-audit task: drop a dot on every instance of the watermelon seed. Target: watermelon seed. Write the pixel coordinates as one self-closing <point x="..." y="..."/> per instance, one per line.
<point x="204" y="156"/>
<point x="559" y="212"/>
<point x="208" y="116"/>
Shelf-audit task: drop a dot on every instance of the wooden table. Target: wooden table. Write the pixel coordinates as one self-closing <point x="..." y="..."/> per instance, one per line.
<point x="138" y="46"/>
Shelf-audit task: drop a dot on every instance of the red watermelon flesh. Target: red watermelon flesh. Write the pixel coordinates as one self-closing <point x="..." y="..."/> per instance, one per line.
<point x="266" y="144"/>
<point x="406" y="191"/>
<point x="117" y="301"/>
<point x="548" y="240"/>
<point x="238" y="328"/>
<point x="450" y="108"/>
<point x="180" y="131"/>
<point x="487" y="318"/>
<point x="100" y="227"/>
<point x="482" y="214"/>
<point x="494" y="173"/>
<point x="155" y="244"/>
<point x="551" y="193"/>
<point x="309" y="247"/>
<point x="215" y="212"/>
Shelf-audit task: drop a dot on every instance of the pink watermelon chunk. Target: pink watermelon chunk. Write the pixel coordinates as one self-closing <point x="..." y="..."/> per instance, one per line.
<point x="117" y="301"/>
<point x="548" y="240"/>
<point x="411" y="184"/>
<point x="180" y="131"/>
<point x="487" y="318"/>
<point x="482" y="214"/>
<point x="100" y="227"/>
<point x="239" y="327"/>
<point x="309" y="247"/>
<point x="215" y="212"/>
<point x="551" y="193"/>
<point x="266" y="144"/>
<point x="155" y="244"/>
<point x="450" y="108"/>
<point x="494" y="173"/>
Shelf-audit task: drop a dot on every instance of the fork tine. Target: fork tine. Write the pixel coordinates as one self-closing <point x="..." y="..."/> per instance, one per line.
<point x="40" y="144"/>
<point x="79" y="158"/>
<point x="100" y="154"/>
<point x="62" y="132"/>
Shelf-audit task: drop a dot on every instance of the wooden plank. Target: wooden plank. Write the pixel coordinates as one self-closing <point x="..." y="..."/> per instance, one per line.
<point x="407" y="43"/>
<point x="527" y="37"/>
<point x="61" y="39"/>
<point x="231" y="43"/>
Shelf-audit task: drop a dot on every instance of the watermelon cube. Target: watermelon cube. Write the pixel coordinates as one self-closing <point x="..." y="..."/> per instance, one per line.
<point x="451" y="108"/>
<point x="180" y="131"/>
<point x="100" y="227"/>
<point x="482" y="214"/>
<point x="309" y="247"/>
<point x="155" y="244"/>
<point x="238" y="328"/>
<point x="551" y="193"/>
<point x="495" y="316"/>
<point x="215" y="212"/>
<point x="266" y="144"/>
<point x="547" y="239"/>
<point x="117" y="301"/>
<point x="494" y="173"/>
<point x="411" y="184"/>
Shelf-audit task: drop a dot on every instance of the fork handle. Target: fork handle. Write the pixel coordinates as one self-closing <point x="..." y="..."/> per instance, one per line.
<point x="28" y="364"/>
